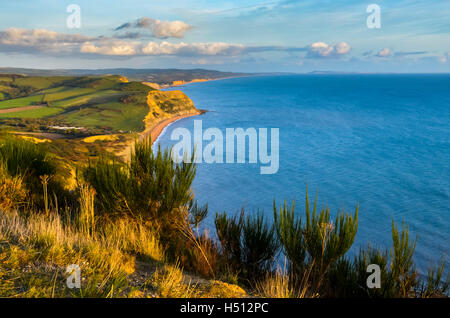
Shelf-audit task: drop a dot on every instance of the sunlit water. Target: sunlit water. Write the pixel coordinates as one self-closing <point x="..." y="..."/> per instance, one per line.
<point x="380" y="140"/>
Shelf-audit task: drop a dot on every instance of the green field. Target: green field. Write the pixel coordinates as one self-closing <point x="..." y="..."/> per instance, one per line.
<point x="105" y="102"/>
<point x="21" y="102"/>
<point x="34" y="113"/>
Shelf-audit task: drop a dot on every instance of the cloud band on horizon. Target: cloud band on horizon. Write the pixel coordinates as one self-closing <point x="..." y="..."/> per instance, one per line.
<point x="50" y="42"/>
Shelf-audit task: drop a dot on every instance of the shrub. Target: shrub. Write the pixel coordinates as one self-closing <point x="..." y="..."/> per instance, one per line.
<point x="28" y="160"/>
<point x="150" y="186"/>
<point x="229" y="232"/>
<point x="436" y="285"/>
<point x="198" y="252"/>
<point x="110" y="181"/>
<point x="349" y="279"/>
<point x="259" y="246"/>
<point x="249" y="245"/>
<point x="402" y="268"/>
<point x="290" y="234"/>
<point x="12" y="192"/>
<point x="317" y="244"/>
<point x="327" y="241"/>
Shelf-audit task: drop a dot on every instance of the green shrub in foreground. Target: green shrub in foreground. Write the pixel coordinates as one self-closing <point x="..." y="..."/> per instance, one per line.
<point x="249" y="244"/>
<point x="149" y="186"/>
<point x="24" y="158"/>
<point x="32" y="163"/>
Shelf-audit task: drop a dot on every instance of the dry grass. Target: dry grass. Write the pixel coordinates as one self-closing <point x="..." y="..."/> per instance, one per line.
<point x="12" y="192"/>
<point x="35" y="251"/>
<point x="276" y="286"/>
<point x="279" y="285"/>
<point x="169" y="283"/>
<point x="86" y="218"/>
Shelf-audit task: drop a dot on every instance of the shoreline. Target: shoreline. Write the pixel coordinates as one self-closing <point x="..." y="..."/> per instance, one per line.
<point x="202" y="81"/>
<point x="156" y="130"/>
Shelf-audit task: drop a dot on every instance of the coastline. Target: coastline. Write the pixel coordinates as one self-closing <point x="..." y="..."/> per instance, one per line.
<point x="156" y="130"/>
<point x="166" y="86"/>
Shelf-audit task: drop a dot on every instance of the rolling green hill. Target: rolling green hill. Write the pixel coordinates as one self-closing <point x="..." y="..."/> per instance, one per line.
<point x="106" y="102"/>
<point x="79" y="117"/>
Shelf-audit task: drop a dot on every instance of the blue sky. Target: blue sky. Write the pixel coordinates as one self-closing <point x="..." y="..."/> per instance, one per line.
<point x="245" y="35"/>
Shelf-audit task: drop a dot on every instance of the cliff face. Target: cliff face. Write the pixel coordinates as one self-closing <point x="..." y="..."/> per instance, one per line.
<point x="195" y="80"/>
<point x="168" y="104"/>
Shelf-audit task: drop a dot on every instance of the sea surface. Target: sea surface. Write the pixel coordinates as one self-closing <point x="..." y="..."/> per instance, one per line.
<point x="382" y="141"/>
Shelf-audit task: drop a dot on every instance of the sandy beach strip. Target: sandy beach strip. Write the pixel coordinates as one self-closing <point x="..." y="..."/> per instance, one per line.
<point x="155" y="131"/>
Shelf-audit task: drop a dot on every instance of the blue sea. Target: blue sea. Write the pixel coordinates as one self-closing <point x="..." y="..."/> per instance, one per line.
<point x="382" y="141"/>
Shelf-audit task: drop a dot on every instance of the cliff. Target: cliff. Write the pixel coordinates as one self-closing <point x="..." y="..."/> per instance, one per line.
<point x="167" y="104"/>
<point x="195" y="80"/>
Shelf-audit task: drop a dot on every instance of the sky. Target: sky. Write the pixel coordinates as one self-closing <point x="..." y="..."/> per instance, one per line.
<point x="403" y="36"/>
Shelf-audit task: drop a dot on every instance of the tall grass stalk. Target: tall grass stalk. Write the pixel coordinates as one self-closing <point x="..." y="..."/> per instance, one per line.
<point x="86" y="218"/>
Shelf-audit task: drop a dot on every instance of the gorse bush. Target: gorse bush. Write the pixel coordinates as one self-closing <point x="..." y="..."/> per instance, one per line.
<point x="318" y="242"/>
<point x="155" y="190"/>
<point x="249" y="244"/>
<point x="402" y="268"/>
<point x="290" y="233"/>
<point x="398" y="278"/>
<point x="316" y="250"/>
<point x="259" y="245"/>
<point x="435" y="285"/>
<point x="326" y="241"/>
<point x="24" y="159"/>
<point x="349" y="279"/>
<point x="198" y="252"/>
<point x="151" y="187"/>
<point x="229" y="231"/>
<point x="32" y="163"/>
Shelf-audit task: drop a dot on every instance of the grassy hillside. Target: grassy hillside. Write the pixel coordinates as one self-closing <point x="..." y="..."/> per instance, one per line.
<point x="79" y="117"/>
<point x="108" y="102"/>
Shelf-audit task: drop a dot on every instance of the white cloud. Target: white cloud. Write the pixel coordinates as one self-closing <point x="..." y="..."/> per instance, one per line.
<point x="384" y="52"/>
<point x="324" y="50"/>
<point x="44" y="41"/>
<point x="217" y="48"/>
<point x="159" y="29"/>
<point x="162" y="48"/>
<point x="40" y="40"/>
<point x="342" y="48"/>
<point x="54" y="43"/>
<point x="117" y="48"/>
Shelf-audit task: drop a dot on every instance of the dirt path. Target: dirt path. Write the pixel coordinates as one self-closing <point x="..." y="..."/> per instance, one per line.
<point x="19" y="109"/>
